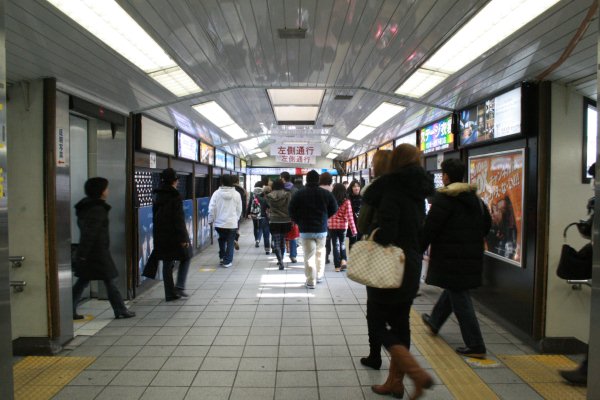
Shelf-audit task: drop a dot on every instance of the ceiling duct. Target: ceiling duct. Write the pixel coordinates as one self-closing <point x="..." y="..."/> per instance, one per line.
<point x="343" y="97"/>
<point x="292" y="33"/>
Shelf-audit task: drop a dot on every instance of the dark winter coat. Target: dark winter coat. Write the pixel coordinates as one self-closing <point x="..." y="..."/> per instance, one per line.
<point x="311" y="207"/>
<point x="398" y="200"/>
<point x="264" y="206"/>
<point x="93" y="259"/>
<point x="169" y="230"/>
<point x="356" y="202"/>
<point x="244" y="197"/>
<point x="455" y="227"/>
<point x="279" y="201"/>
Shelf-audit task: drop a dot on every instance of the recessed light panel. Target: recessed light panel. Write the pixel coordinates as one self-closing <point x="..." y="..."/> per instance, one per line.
<point x="286" y="97"/>
<point x="360" y="132"/>
<point x="421" y="82"/>
<point x="381" y="114"/>
<point x="176" y="81"/>
<point x="331" y="155"/>
<point x="296" y="113"/>
<point x="234" y="131"/>
<point x="344" y="144"/>
<point x="214" y="113"/>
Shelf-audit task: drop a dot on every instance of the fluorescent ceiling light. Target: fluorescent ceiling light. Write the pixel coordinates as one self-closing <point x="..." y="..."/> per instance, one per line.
<point x="307" y="97"/>
<point x="336" y="151"/>
<point x="360" y="132"/>
<point x="344" y="144"/>
<point x="261" y="155"/>
<point x="494" y="23"/>
<point x="296" y="113"/>
<point x="254" y="151"/>
<point x="176" y="81"/>
<point x="213" y="112"/>
<point x="331" y="155"/>
<point x="234" y="131"/>
<point x="381" y="114"/>
<point x="112" y="25"/>
<point x="421" y="82"/>
<point x="250" y="143"/>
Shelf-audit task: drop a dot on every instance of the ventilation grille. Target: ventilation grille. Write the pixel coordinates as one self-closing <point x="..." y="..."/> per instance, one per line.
<point x="343" y="97"/>
<point x="291" y="33"/>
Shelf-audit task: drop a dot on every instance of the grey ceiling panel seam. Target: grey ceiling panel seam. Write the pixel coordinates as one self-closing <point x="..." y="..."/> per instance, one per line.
<point x="259" y="41"/>
<point x="341" y="58"/>
<point x="332" y="15"/>
<point x="318" y="74"/>
<point x="252" y="57"/>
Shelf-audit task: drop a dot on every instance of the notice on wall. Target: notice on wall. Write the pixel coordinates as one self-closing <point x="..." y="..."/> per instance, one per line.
<point x="152" y="159"/>
<point x="500" y="181"/>
<point x="282" y="149"/>
<point x="62" y="148"/>
<point x="296" y="159"/>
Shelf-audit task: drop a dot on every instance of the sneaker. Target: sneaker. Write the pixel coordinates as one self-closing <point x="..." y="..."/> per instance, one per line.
<point x="256" y="243"/>
<point x="267" y="252"/>
<point x="236" y="245"/>
<point x="229" y="265"/>
<point x="309" y="285"/>
<point x="221" y="261"/>
<point x="344" y="265"/>
<point x="293" y="260"/>
<point x="337" y="269"/>
<point x="427" y="321"/>
<point x="180" y="292"/>
<point x="125" y="314"/>
<point x="471" y="352"/>
<point x="319" y="280"/>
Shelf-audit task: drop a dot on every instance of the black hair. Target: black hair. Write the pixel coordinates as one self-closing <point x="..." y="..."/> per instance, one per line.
<point x="312" y="176"/>
<point x="258" y="184"/>
<point x="278" y="185"/>
<point x="226" y="180"/>
<point x="351" y="185"/>
<point x="285" y="176"/>
<point x="340" y="193"/>
<point x="168" y="176"/>
<point x="454" y="168"/>
<point x="94" y="187"/>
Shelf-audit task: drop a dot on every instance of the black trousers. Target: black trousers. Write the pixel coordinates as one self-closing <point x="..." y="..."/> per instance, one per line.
<point x="379" y="316"/>
<point x="114" y="296"/>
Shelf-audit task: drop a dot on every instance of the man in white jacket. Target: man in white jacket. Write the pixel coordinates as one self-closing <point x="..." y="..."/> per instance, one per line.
<point x="224" y="211"/>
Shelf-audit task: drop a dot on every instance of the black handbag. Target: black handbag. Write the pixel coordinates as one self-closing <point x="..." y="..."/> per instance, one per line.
<point x="575" y="264"/>
<point x="151" y="267"/>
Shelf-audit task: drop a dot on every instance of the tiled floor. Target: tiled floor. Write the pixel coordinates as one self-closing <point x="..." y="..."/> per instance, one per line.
<point x="254" y="332"/>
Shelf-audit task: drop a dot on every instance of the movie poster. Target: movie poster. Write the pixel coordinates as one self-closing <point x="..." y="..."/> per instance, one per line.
<point x="188" y="213"/>
<point x="203" y="232"/>
<point x="500" y="178"/>
<point x="145" y="240"/>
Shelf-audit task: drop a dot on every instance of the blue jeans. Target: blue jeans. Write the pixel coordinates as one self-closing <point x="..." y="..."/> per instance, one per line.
<point x="459" y="301"/>
<point x="339" y="247"/>
<point x="261" y="229"/>
<point x="293" y="248"/>
<point x="226" y="239"/>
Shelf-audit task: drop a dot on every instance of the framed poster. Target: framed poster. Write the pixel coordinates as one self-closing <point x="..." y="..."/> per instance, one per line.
<point x="411" y="138"/>
<point x="207" y="154"/>
<point x="187" y="146"/>
<point x="230" y="161"/>
<point x="355" y="164"/>
<point x="362" y="162"/>
<point x="188" y="213"/>
<point x="219" y="158"/>
<point x="370" y="155"/>
<point x="145" y="241"/>
<point x="203" y="231"/>
<point x="500" y="178"/>
<point x="437" y="136"/>
<point x="387" y="146"/>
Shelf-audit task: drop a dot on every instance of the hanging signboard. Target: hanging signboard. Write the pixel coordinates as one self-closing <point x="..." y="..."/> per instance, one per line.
<point x="282" y="149"/>
<point x="500" y="181"/>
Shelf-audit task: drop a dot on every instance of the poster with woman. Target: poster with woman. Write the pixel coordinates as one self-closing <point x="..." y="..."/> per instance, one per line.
<point x="203" y="233"/>
<point x="145" y="240"/>
<point x="188" y="213"/>
<point x="500" y="179"/>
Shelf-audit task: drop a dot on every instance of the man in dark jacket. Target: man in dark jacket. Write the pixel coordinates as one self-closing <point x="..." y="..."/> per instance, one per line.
<point x="171" y="238"/>
<point x="310" y="208"/>
<point x="455" y="227"/>
<point x="93" y="259"/>
<point x="238" y="188"/>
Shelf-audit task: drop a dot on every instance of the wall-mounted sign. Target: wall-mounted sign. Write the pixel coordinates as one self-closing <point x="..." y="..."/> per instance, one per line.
<point x="500" y="179"/>
<point x="437" y="136"/>
<point x="387" y="146"/>
<point x="411" y="138"/>
<point x="62" y="147"/>
<point x="362" y="161"/>
<point x="219" y="158"/>
<point x="207" y="154"/>
<point x="230" y="160"/>
<point x="187" y="146"/>
<point x="370" y="155"/>
<point x="495" y="118"/>
<point x="282" y="149"/>
<point x="152" y="159"/>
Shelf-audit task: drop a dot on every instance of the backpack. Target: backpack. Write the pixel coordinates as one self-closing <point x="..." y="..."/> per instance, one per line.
<point x="255" y="207"/>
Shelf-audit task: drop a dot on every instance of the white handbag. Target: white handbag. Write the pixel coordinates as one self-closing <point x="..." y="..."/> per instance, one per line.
<point x="375" y="265"/>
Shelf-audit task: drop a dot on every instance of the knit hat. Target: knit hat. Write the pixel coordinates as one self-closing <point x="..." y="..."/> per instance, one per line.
<point x="168" y="175"/>
<point x="94" y="187"/>
<point x="312" y="176"/>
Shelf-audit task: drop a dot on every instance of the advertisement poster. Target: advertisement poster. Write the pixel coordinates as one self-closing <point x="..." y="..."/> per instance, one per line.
<point x="230" y="161"/>
<point x="219" y="158"/>
<point x="492" y="119"/>
<point x="145" y="240"/>
<point x="355" y="164"/>
<point x="387" y="146"/>
<point x="203" y="232"/>
<point x="370" y="155"/>
<point x="207" y="154"/>
<point x="187" y="146"/>
<point x="362" y="162"/>
<point x="188" y="213"/>
<point x="500" y="180"/>
<point x="437" y="136"/>
<point x="411" y="138"/>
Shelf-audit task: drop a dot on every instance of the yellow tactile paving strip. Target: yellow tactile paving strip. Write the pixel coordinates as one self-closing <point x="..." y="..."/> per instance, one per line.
<point x="40" y="378"/>
<point x="541" y="373"/>
<point x="458" y="377"/>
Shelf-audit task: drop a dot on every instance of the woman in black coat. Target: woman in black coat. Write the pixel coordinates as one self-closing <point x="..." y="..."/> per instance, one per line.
<point x="93" y="259"/>
<point x="171" y="238"/>
<point x="398" y="200"/>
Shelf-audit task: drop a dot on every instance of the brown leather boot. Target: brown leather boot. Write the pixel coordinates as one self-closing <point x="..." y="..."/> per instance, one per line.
<point x="393" y="384"/>
<point x="406" y="363"/>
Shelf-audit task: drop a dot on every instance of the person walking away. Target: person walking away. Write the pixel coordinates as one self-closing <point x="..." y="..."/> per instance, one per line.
<point x="253" y="210"/>
<point x="244" y="196"/>
<point x="325" y="181"/>
<point x="381" y="166"/>
<point x="355" y="198"/>
<point x="455" y="228"/>
<point x="280" y="221"/>
<point x="292" y="244"/>
<point x="310" y="208"/>
<point x="93" y="258"/>
<point x="171" y="238"/>
<point x="399" y="203"/>
<point x="338" y="224"/>
<point x="224" y="211"/>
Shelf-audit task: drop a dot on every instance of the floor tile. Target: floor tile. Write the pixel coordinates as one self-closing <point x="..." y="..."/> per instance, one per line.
<point x="174" y="378"/>
<point x="121" y="393"/>
<point x="162" y="393"/>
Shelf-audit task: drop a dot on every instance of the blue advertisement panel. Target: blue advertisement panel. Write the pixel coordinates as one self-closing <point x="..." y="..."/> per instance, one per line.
<point x="188" y="213"/>
<point x="203" y="232"/>
<point x="145" y="239"/>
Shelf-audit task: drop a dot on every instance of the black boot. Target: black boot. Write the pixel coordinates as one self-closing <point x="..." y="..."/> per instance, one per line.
<point x="577" y="376"/>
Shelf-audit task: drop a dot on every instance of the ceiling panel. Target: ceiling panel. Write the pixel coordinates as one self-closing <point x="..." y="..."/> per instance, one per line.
<point x="232" y="49"/>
